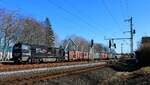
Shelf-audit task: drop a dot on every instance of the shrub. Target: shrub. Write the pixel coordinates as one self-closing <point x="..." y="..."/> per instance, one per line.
<point x="143" y="54"/>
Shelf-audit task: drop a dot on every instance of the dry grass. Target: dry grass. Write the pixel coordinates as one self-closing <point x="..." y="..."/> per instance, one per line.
<point x="139" y="77"/>
<point x="128" y="65"/>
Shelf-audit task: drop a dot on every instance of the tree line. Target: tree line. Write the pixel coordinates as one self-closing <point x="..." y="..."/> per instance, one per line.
<point x="84" y="44"/>
<point x="15" y="28"/>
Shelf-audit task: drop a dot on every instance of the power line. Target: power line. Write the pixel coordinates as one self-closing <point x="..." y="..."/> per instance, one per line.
<point x="109" y="12"/>
<point x="122" y="9"/>
<point x="127" y="7"/>
<point x="77" y="10"/>
<point x="70" y="13"/>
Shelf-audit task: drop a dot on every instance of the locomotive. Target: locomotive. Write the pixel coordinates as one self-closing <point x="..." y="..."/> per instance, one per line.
<point x="27" y="53"/>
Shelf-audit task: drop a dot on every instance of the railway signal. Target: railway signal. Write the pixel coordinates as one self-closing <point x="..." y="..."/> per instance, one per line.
<point x="109" y="43"/>
<point x="92" y="43"/>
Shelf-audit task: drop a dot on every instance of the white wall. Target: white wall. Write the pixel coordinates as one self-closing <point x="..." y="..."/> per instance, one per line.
<point x="8" y="55"/>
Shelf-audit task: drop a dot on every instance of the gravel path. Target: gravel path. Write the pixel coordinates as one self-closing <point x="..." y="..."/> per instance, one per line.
<point x="52" y="70"/>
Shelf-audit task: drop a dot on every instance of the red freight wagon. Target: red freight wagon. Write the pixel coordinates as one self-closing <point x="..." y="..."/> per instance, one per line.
<point x="78" y="55"/>
<point x="81" y="56"/>
<point x="86" y="56"/>
<point x="72" y="55"/>
<point x="103" y="56"/>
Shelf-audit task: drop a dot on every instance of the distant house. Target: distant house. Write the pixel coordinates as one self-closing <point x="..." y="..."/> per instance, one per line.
<point x="7" y="53"/>
<point x="70" y="45"/>
<point x="145" y="40"/>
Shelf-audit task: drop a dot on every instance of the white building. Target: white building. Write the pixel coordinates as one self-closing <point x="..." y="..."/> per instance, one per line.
<point x="7" y="54"/>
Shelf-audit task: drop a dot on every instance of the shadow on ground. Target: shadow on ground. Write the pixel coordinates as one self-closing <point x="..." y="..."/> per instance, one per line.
<point x="127" y="65"/>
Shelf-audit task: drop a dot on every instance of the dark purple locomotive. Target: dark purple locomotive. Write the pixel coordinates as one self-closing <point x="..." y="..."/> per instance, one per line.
<point x="26" y="53"/>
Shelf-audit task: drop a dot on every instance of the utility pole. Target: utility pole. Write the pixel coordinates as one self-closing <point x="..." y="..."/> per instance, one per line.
<point x="132" y="32"/>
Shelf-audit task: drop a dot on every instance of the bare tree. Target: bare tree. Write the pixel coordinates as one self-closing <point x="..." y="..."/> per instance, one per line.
<point x="83" y="44"/>
<point x="8" y="27"/>
<point x="98" y="47"/>
<point x="14" y="28"/>
<point x="32" y="32"/>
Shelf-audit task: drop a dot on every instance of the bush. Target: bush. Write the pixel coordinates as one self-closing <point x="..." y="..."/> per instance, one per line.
<point x="143" y="54"/>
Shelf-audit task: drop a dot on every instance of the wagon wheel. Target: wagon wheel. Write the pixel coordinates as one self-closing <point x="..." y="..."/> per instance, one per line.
<point x="29" y="61"/>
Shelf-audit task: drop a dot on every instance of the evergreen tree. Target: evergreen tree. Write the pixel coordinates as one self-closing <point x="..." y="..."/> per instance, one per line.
<point x="50" y="38"/>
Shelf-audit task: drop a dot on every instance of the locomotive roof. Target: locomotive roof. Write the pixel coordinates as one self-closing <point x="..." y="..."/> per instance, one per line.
<point x="34" y="45"/>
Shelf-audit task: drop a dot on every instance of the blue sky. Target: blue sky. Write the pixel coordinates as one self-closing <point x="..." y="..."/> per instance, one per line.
<point x="92" y="19"/>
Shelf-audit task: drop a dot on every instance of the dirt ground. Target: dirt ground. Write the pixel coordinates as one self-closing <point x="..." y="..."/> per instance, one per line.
<point x="87" y="78"/>
<point x="122" y="73"/>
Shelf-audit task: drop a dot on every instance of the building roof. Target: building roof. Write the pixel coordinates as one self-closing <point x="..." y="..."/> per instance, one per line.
<point x="145" y="40"/>
<point x="71" y="45"/>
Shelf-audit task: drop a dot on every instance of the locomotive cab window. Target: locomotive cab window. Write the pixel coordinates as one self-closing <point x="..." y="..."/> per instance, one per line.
<point x="26" y="50"/>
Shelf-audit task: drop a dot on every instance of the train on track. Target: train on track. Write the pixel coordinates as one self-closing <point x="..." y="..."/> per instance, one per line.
<point x="27" y="53"/>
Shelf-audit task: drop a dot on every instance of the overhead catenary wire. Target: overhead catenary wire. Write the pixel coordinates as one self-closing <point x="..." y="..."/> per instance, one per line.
<point x="109" y="12"/>
<point x="82" y="12"/>
<point x="122" y="8"/>
<point x="72" y="14"/>
<point x="127" y="8"/>
<point x="105" y="5"/>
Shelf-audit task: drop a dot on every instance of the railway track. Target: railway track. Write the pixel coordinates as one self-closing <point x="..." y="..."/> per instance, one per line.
<point x="32" y="76"/>
<point x="16" y="67"/>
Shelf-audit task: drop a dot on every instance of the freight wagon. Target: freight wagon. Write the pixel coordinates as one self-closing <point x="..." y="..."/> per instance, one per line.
<point x="81" y="56"/>
<point x="100" y="56"/>
<point x="77" y="56"/>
